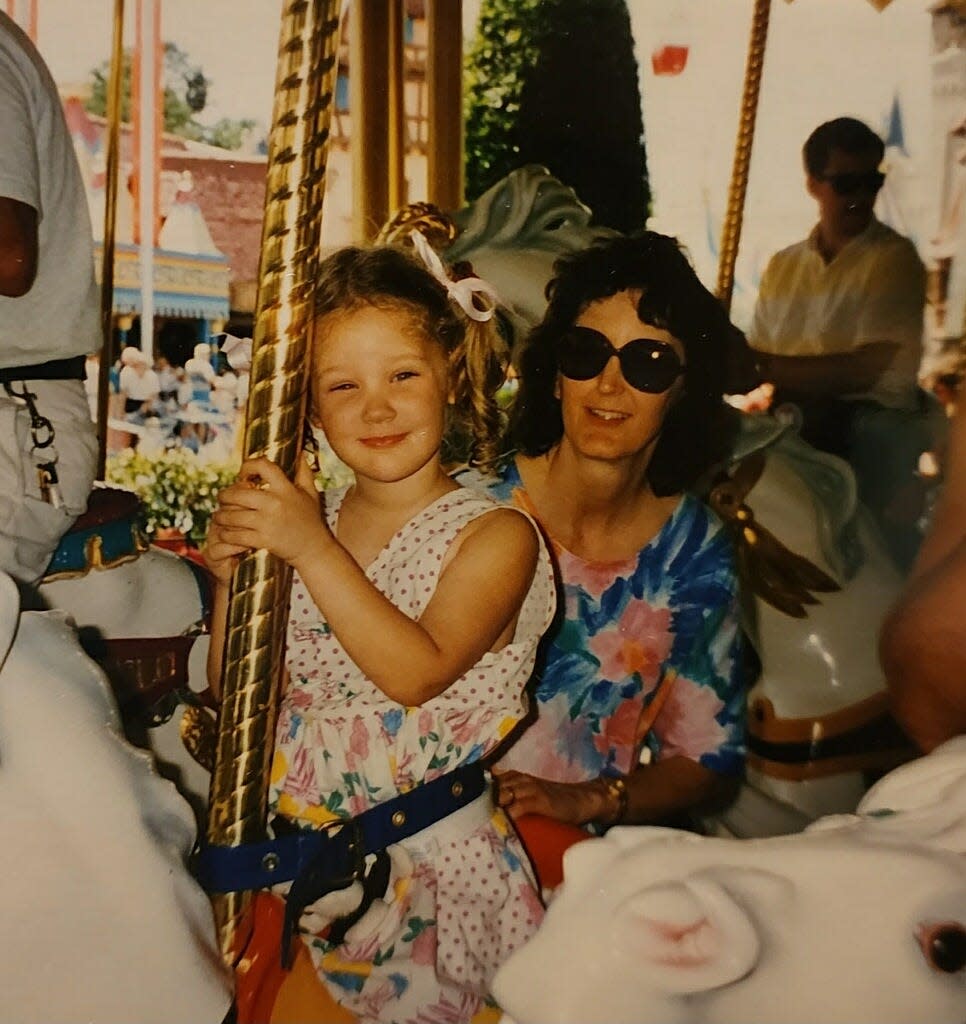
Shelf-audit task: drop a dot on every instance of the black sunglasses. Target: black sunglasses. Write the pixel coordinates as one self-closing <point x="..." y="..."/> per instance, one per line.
<point x="849" y="183"/>
<point x="647" y="365"/>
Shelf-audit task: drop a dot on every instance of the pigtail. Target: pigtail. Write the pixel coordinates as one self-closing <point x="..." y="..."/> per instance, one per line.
<point x="478" y="369"/>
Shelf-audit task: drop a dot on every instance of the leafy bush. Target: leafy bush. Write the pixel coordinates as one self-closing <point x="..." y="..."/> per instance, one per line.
<point x="555" y="82"/>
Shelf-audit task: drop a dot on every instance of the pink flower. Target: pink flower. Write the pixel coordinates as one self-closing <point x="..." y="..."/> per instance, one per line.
<point x="620" y="729"/>
<point x="543" y="749"/>
<point x="372" y="999"/>
<point x="424" y="947"/>
<point x="686" y="724"/>
<point x="298" y="698"/>
<point x="356" y="804"/>
<point x="301" y="780"/>
<point x="463" y="726"/>
<point x="639" y="643"/>
<point x="358" y="745"/>
<point x="593" y="577"/>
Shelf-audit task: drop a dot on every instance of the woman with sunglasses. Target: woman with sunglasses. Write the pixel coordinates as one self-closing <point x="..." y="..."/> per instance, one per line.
<point x="640" y="695"/>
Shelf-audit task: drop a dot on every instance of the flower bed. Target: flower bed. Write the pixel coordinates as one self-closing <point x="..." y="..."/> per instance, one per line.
<point x="178" y="490"/>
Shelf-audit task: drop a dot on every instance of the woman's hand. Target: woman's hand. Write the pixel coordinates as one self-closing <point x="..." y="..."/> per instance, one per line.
<point x="574" y="803"/>
<point x="265" y="510"/>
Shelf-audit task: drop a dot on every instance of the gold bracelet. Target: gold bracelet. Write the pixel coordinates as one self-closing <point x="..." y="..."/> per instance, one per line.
<point x="617" y="789"/>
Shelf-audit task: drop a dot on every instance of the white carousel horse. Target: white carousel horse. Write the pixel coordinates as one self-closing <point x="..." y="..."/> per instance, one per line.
<point x="140" y="611"/>
<point x="101" y="920"/>
<point x="818" y="722"/>
<point x="861" y="919"/>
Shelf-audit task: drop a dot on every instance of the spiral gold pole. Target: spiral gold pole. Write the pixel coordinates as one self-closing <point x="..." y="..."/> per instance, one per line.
<point x="731" y="230"/>
<point x="112" y="149"/>
<point x="259" y="594"/>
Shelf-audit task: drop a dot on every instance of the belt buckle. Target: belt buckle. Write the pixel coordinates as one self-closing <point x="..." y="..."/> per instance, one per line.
<point x="356" y="850"/>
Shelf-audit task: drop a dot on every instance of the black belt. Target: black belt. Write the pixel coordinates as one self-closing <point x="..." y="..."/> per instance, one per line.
<point x="319" y="861"/>
<point x="55" y="369"/>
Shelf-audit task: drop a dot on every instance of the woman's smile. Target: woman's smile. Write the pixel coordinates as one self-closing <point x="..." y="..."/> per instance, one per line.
<point x="608" y="415"/>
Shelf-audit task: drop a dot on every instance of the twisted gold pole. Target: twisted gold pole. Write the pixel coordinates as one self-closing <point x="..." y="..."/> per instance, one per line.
<point x="731" y="229"/>
<point x="112" y="157"/>
<point x="259" y="593"/>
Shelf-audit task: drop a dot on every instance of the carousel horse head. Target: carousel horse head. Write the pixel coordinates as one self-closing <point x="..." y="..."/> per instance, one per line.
<point x="103" y="923"/>
<point x="817" y="577"/>
<point x="861" y="918"/>
<point x="510" y="236"/>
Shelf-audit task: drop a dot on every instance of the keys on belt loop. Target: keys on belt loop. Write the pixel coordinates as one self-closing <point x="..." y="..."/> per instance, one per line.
<point x="43" y="452"/>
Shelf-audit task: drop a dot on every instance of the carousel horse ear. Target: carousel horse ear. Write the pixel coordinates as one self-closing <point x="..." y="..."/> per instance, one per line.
<point x="9" y="613"/>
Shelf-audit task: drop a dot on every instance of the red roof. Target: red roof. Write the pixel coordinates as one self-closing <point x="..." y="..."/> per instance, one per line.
<point x="229" y="187"/>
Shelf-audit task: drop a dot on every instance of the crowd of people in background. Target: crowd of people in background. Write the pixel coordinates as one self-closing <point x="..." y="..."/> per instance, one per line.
<point x="161" y="403"/>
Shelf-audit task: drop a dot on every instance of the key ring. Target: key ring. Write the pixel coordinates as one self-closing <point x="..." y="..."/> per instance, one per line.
<point x="41" y="429"/>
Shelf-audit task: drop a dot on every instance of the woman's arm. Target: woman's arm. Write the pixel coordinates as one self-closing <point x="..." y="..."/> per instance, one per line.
<point x="473" y="610"/>
<point x="655" y="793"/>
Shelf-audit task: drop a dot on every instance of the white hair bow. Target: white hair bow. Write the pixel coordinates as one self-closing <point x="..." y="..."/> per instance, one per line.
<point x="461" y="292"/>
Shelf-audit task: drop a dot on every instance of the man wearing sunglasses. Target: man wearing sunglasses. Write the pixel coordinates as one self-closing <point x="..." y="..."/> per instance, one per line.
<point x="838" y="327"/>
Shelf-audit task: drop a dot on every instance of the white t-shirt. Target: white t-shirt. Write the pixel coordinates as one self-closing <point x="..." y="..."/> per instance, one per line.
<point x="874" y="290"/>
<point x="59" y="317"/>
<point x="138" y="386"/>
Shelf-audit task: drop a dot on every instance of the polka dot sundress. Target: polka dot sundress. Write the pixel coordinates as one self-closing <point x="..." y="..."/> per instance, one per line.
<point x="460" y="901"/>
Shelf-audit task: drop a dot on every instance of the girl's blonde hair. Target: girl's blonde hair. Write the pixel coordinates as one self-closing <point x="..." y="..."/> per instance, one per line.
<point x="388" y="276"/>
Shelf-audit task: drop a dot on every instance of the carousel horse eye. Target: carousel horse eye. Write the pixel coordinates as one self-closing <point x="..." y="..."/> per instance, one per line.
<point x="944" y="945"/>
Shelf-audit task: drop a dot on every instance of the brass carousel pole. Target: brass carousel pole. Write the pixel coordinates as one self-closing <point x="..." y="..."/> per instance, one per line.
<point x="110" y="229"/>
<point x="731" y="230"/>
<point x="259" y="592"/>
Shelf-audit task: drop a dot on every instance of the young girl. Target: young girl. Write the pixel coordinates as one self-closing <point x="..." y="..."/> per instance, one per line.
<point x="415" y="612"/>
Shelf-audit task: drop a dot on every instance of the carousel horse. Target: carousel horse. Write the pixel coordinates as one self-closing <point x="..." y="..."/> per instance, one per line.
<point x="140" y="611"/>
<point x="860" y="919"/>
<point x="103" y="922"/>
<point x="818" y="576"/>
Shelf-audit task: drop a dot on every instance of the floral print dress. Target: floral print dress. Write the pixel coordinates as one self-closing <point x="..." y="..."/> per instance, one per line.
<point x="461" y="895"/>
<point x="625" y="625"/>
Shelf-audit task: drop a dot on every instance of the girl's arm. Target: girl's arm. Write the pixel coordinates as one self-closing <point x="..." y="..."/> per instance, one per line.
<point x="220" y="558"/>
<point x="474" y="609"/>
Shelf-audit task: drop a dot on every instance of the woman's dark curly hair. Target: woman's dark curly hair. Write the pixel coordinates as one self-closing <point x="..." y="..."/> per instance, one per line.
<point x="697" y="427"/>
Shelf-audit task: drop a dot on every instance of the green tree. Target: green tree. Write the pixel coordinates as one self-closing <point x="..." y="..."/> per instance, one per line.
<point x="185" y="93"/>
<point x="555" y="82"/>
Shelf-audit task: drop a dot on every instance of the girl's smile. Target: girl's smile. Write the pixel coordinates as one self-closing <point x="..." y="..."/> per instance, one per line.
<point x="383" y="440"/>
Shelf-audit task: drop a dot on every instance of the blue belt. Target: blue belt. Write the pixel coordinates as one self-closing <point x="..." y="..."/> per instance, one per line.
<point x="319" y="861"/>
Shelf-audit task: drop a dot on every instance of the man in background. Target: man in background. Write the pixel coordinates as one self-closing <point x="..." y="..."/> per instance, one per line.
<point x="838" y="328"/>
<point x="49" y="316"/>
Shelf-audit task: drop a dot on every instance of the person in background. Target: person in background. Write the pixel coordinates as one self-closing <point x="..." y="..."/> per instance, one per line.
<point x="49" y="315"/>
<point x="838" y="329"/>
<point x="923" y="641"/>
<point x="138" y="383"/>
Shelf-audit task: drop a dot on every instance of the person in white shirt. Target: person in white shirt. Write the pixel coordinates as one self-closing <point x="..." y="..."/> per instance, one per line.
<point x="838" y="327"/>
<point x="49" y="318"/>
<point x="138" y="382"/>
